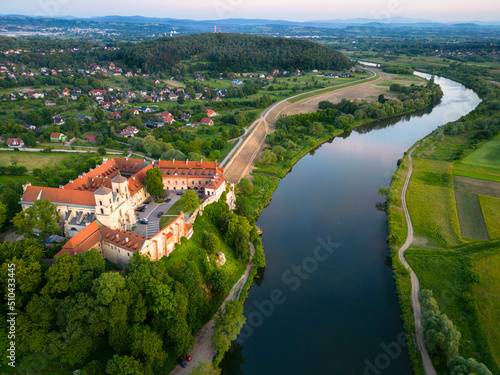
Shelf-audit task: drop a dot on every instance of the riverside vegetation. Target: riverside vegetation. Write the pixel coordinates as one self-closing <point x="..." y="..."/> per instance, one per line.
<point x="453" y="200"/>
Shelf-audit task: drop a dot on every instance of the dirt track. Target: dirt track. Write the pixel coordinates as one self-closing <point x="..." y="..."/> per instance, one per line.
<point x="415" y="284"/>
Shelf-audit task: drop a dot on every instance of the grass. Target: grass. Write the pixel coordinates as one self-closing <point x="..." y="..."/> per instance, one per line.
<point x="470" y="216"/>
<point x="485" y="158"/>
<point x="491" y="213"/>
<point x="487" y="294"/>
<point x="445" y="273"/>
<point x="32" y="160"/>
<point x="448" y="149"/>
<point x="166" y="220"/>
<point x="431" y="202"/>
<point x="472" y="174"/>
<point x="176" y="209"/>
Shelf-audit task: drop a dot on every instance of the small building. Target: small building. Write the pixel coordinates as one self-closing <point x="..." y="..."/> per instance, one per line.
<point x="57" y="137"/>
<point x="58" y="121"/>
<point x="207" y="121"/>
<point x="185" y="116"/>
<point x="15" y="142"/>
<point x="211" y="113"/>
<point x="90" y="138"/>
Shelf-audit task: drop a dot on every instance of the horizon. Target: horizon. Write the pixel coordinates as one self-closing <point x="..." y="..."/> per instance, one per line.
<point x="319" y="10"/>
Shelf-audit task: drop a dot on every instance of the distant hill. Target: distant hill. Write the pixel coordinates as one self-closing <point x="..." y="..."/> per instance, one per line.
<point x="233" y="53"/>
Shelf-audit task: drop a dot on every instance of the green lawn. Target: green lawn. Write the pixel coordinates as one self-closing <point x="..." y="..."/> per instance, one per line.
<point x="431" y="202"/>
<point x="491" y="213"/>
<point x="487" y="294"/>
<point x="485" y="158"/>
<point x="6" y="180"/>
<point x="472" y="174"/>
<point x="32" y="160"/>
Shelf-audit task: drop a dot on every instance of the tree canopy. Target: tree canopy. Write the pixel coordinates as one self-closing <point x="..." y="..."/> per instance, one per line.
<point x="154" y="182"/>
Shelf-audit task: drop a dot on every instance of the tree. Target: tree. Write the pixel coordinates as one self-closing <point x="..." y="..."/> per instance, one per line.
<point x="154" y="182"/>
<point x="101" y="151"/>
<point x="238" y="235"/>
<point x="227" y="325"/>
<point x="268" y="157"/>
<point x="124" y="365"/>
<point x="41" y="217"/>
<point x="206" y="368"/>
<point x="316" y="128"/>
<point x="245" y="186"/>
<point x="190" y="201"/>
<point x="211" y="243"/>
<point x="99" y="114"/>
<point x="3" y="214"/>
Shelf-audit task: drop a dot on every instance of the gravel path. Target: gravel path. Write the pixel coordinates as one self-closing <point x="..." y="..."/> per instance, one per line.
<point x="415" y="285"/>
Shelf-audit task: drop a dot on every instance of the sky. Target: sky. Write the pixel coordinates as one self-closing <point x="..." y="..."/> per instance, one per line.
<point x="293" y="10"/>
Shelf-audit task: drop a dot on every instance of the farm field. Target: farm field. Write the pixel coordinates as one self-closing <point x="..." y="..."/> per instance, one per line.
<point x="486" y="158"/>
<point x="31" y="160"/>
<point x="487" y="294"/>
<point x="491" y="213"/>
<point x="431" y="202"/>
<point x="470" y="216"/>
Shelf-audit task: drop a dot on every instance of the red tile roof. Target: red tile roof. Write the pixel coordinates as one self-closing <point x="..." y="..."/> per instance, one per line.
<point x="83" y="241"/>
<point x="58" y="196"/>
<point x="122" y="239"/>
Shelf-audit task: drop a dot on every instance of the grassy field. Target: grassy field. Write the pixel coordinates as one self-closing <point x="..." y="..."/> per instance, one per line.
<point x="470" y="216"/>
<point x="487" y="294"/>
<point x="485" y="158"/>
<point x="491" y="213"/>
<point x="445" y="273"/>
<point x="32" y="160"/>
<point x="431" y="202"/>
<point x="472" y="174"/>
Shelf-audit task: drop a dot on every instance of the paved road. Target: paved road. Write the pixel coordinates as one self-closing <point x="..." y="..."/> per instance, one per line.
<point x="415" y="285"/>
<point x="202" y="350"/>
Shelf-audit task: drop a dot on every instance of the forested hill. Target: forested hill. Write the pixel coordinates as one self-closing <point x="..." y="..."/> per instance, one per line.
<point x="233" y="53"/>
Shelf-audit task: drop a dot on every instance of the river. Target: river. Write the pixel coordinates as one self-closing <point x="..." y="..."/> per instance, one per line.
<point x="326" y="302"/>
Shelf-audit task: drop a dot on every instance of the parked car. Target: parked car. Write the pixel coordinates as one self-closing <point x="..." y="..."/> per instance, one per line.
<point x="168" y="200"/>
<point x="180" y="192"/>
<point x="148" y="201"/>
<point x="188" y="358"/>
<point x="182" y="362"/>
<point x="142" y="208"/>
<point x="160" y="214"/>
<point x="143" y="221"/>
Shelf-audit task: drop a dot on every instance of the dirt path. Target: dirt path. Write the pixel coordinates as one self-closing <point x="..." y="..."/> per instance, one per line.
<point x="202" y="350"/>
<point x="415" y="284"/>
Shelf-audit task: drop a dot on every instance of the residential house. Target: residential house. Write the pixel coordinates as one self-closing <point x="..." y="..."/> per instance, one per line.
<point x="106" y="105"/>
<point x="57" y="137"/>
<point x="95" y="93"/>
<point x="211" y="113"/>
<point x="50" y="103"/>
<point x="173" y="96"/>
<point x="15" y="142"/>
<point x="237" y="82"/>
<point x="128" y="132"/>
<point x="207" y="121"/>
<point x="185" y="116"/>
<point x="66" y="92"/>
<point x="90" y="138"/>
<point x="58" y="121"/>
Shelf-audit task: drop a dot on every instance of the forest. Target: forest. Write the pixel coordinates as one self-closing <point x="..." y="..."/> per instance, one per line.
<point x="232" y="52"/>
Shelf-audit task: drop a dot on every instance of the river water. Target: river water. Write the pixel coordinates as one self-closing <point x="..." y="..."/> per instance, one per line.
<point x="326" y="302"/>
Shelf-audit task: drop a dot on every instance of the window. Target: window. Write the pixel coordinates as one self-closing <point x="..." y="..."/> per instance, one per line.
<point x="102" y="211"/>
<point x="100" y="203"/>
<point x="192" y="182"/>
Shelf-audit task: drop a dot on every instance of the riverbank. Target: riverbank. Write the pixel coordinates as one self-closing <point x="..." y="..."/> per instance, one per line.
<point x="450" y="215"/>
